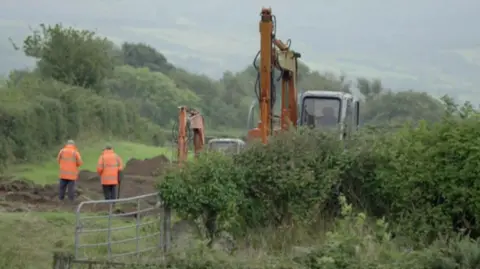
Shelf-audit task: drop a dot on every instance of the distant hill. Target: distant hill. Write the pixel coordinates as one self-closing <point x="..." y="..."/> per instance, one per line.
<point x="425" y="46"/>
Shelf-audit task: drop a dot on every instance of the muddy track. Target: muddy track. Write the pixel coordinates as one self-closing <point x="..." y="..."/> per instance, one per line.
<point x="140" y="178"/>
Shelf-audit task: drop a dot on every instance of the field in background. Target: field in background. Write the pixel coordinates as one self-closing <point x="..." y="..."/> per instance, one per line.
<point x="47" y="172"/>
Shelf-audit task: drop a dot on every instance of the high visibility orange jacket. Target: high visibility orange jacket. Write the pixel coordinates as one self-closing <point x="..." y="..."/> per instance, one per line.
<point x="108" y="166"/>
<point x="69" y="160"/>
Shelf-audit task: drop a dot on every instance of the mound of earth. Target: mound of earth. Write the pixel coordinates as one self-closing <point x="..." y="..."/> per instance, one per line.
<point x="148" y="167"/>
<point x="139" y="178"/>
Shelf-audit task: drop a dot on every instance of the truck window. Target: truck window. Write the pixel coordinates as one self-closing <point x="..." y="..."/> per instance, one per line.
<point x="321" y="112"/>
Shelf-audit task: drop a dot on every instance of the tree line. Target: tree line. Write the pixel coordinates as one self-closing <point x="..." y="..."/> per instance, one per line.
<point x="83" y="82"/>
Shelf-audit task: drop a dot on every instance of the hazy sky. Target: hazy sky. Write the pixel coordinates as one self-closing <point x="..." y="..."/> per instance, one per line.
<point x="422" y="43"/>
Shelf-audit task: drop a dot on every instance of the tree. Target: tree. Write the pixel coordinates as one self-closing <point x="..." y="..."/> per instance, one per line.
<point x="313" y="80"/>
<point x="143" y="55"/>
<point x="397" y="107"/>
<point x="75" y="57"/>
<point x="156" y="93"/>
<point x="381" y="106"/>
<point x="369" y="89"/>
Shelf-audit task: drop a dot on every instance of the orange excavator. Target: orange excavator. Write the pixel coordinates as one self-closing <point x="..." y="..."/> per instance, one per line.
<point x="190" y="126"/>
<point x="318" y="108"/>
<point x="274" y="54"/>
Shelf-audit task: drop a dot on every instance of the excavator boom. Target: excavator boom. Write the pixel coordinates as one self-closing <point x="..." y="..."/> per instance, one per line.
<point x="182" y="146"/>
<point x="274" y="55"/>
<point x="266" y="53"/>
<point x="197" y="128"/>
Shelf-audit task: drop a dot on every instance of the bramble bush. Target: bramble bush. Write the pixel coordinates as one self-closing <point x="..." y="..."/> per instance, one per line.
<point x="422" y="178"/>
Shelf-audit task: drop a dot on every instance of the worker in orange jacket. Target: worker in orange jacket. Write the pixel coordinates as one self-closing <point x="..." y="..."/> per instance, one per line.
<point x="109" y="168"/>
<point x="69" y="160"/>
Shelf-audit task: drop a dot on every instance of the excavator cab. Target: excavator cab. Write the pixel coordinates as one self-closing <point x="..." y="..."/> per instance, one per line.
<point x="226" y="145"/>
<point x="329" y="110"/>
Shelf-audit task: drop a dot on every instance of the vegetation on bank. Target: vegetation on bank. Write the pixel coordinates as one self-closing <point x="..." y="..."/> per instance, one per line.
<point x="38" y="114"/>
<point x="404" y="198"/>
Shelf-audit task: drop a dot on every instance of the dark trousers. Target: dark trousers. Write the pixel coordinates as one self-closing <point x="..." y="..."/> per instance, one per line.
<point x="110" y="192"/>
<point x="65" y="185"/>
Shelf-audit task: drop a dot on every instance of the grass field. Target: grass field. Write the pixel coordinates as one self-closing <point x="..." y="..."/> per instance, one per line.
<point x="30" y="239"/>
<point x="47" y="172"/>
<point x="34" y="234"/>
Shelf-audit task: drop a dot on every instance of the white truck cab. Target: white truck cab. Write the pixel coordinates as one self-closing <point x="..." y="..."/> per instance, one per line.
<point x="328" y="110"/>
<point x="226" y="145"/>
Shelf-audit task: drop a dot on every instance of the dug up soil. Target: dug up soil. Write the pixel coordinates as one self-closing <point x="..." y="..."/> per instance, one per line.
<point x="140" y="177"/>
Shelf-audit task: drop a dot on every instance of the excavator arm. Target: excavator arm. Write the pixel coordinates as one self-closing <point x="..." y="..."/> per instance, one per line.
<point x="197" y="124"/>
<point x="266" y="74"/>
<point x="287" y="63"/>
<point x="196" y="121"/>
<point x="182" y="145"/>
<point x="274" y="54"/>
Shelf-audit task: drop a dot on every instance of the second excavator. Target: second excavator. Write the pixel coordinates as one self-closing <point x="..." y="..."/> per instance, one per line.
<point x="324" y="109"/>
<point x="191" y="128"/>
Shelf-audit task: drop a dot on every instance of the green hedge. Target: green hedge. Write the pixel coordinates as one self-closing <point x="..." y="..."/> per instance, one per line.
<point x="37" y="114"/>
<point x="423" y="179"/>
<point x="265" y="185"/>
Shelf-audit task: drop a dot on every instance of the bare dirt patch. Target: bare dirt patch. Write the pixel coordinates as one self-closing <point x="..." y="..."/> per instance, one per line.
<point x="140" y="177"/>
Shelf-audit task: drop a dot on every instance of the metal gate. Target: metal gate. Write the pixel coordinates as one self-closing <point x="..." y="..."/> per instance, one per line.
<point x="121" y="230"/>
